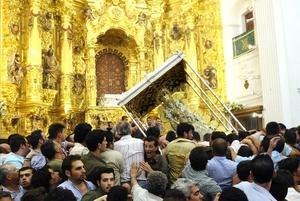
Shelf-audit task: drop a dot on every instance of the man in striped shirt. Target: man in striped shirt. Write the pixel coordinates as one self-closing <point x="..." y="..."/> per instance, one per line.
<point x="132" y="150"/>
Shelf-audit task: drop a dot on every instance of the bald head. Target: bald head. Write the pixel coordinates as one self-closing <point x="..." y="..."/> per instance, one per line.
<point x="219" y="147"/>
<point x="4" y="148"/>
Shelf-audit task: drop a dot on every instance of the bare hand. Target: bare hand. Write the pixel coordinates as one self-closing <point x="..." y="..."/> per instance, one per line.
<point x="135" y="170"/>
<point x="146" y="167"/>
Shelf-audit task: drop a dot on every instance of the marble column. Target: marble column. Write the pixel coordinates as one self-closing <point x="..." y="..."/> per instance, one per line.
<point x="34" y="79"/>
<point x="278" y="41"/>
<point x="66" y="66"/>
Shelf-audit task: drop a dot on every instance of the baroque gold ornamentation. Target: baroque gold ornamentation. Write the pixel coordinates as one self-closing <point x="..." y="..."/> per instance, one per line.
<point x="141" y="33"/>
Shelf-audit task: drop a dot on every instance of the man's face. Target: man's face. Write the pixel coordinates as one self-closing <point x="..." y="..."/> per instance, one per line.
<point x="103" y="145"/>
<point x="25" y="148"/>
<point x="55" y="178"/>
<point x="150" y="149"/>
<point x="77" y="173"/>
<point x="106" y="182"/>
<point x="189" y="134"/>
<point x="195" y="194"/>
<point x="25" y="178"/>
<point x="62" y="135"/>
<point x="149" y="121"/>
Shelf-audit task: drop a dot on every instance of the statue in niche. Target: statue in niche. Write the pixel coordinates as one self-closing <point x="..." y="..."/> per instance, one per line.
<point x="176" y="32"/>
<point x="88" y="13"/>
<point x="50" y="67"/>
<point x="210" y="75"/>
<point x="142" y="19"/>
<point x="78" y="84"/>
<point x="15" y="70"/>
<point x="46" y="21"/>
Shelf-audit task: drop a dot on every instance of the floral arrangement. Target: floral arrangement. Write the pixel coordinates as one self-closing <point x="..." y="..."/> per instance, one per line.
<point x="234" y="107"/>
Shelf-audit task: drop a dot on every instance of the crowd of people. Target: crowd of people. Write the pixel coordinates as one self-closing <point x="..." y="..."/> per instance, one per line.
<point x="121" y="163"/>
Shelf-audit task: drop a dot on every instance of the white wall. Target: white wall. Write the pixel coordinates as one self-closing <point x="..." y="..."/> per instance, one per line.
<point x="278" y="37"/>
<point x="246" y="67"/>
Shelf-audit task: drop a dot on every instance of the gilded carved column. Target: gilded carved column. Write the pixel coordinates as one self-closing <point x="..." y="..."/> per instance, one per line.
<point x="158" y="46"/>
<point x="191" y="55"/>
<point x="66" y="65"/>
<point x="143" y="70"/>
<point x="33" y="88"/>
<point x="91" y="92"/>
<point x="190" y="43"/>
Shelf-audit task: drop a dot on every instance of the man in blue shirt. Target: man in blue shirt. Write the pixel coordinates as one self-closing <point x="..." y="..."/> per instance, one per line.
<point x="262" y="170"/>
<point x="219" y="167"/>
<point x="73" y="168"/>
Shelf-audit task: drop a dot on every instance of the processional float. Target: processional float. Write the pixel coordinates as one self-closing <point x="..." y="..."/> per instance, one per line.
<point x="142" y="98"/>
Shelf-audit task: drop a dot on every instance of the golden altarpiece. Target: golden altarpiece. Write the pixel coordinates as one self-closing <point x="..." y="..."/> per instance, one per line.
<point x="64" y="60"/>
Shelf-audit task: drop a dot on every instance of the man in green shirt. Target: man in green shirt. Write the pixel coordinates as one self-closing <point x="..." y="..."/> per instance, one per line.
<point x="104" y="177"/>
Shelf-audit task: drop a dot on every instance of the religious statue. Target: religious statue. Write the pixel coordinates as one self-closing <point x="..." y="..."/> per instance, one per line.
<point x="78" y="84"/>
<point x="15" y="70"/>
<point x="50" y="66"/>
<point x="210" y="75"/>
<point x="176" y="112"/>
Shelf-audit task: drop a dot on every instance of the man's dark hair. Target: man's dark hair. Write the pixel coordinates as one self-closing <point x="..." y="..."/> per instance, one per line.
<point x="245" y="151"/>
<point x="41" y="178"/>
<point x="272" y="128"/>
<point x="231" y="137"/>
<point x="183" y="127"/>
<point x="206" y="137"/>
<point x="217" y="134"/>
<point x="290" y="137"/>
<point x="171" y="135"/>
<point x="243" y="170"/>
<point x="291" y="164"/>
<point x="48" y="149"/>
<point x="80" y="131"/>
<point x="233" y="194"/>
<point x="15" y="142"/>
<point x="152" y="139"/>
<point x="97" y="172"/>
<point x="281" y="126"/>
<point x="124" y="118"/>
<point x="153" y="131"/>
<point x="219" y="147"/>
<point x="34" y="138"/>
<point x="5" y="194"/>
<point x="60" y="194"/>
<point x="67" y="162"/>
<point x="117" y="193"/>
<point x="266" y="142"/>
<point x="54" y="129"/>
<point x="198" y="159"/>
<point x="196" y="136"/>
<point x="35" y="194"/>
<point x="262" y="168"/>
<point x="174" y="195"/>
<point x="242" y="135"/>
<point x="280" y="184"/>
<point x="109" y="137"/>
<point x="24" y="169"/>
<point x="93" y="138"/>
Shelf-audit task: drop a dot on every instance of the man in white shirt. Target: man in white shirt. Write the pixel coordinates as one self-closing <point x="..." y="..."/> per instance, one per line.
<point x="156" y="186"/>
<point x="262" y="171"/>
<point x="80" y="131"/>
<point x="132" y="150"/>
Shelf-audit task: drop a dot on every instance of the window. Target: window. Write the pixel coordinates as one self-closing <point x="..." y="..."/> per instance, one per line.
<point x="249" y="21"/>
